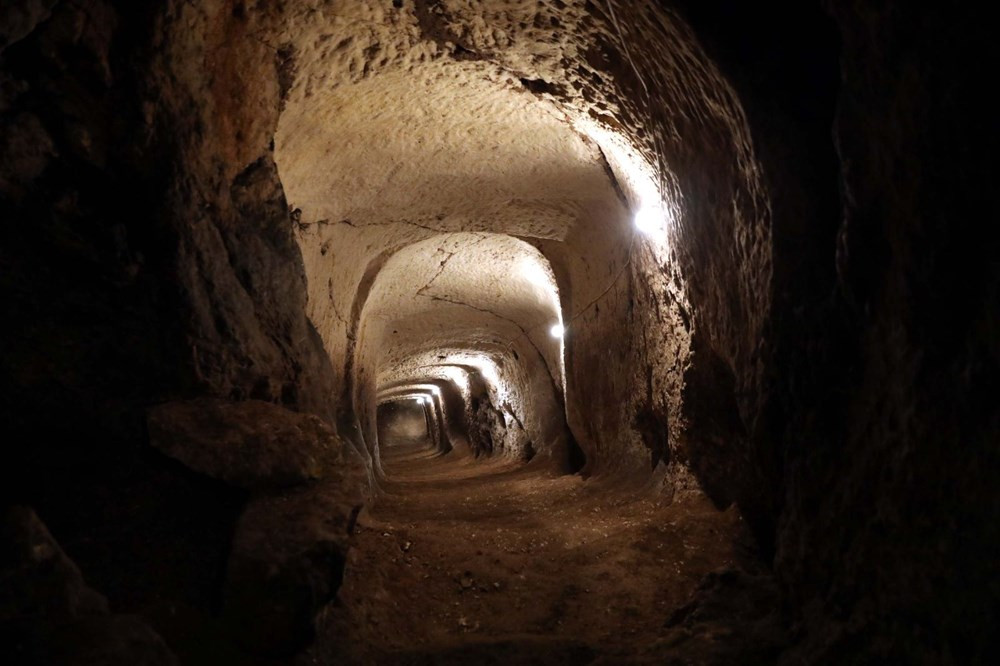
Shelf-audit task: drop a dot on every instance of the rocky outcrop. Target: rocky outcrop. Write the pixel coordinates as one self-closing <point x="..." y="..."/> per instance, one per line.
<point x="288" y="562"/>
<point x="254" y="445"/>
<point x="147" y="250"/>
<point x="49" y="615"/>
<point x="289" y="546"/>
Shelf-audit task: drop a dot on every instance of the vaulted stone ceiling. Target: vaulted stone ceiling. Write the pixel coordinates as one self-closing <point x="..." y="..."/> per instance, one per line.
<point x="433" y="124"/>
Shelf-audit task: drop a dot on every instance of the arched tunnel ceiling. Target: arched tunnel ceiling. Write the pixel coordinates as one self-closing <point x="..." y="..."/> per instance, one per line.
<point x="452" y="364"/>
<point x="404" y="123"/>
<point x="540" y="120"/>
<point x="462" y="290"/>
<point x="443" y="145"/>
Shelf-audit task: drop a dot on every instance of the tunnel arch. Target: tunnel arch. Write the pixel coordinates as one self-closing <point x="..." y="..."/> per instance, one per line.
<point x="443" y="432"/>
<point x="446" y="403"/>
<point x="485" y="291"/>
<point x="397" y="421"/>
<point x="559" y="134"/>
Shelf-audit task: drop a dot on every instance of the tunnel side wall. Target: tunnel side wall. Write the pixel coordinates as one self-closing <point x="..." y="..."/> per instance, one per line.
<point x="683" y="380"/>
<point x="911" y="445"/>
<point x="148" y="252"/>
<point x="877" y="427"/>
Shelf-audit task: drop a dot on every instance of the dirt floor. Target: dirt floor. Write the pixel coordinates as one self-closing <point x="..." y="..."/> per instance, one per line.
<point x="473" y="561"/>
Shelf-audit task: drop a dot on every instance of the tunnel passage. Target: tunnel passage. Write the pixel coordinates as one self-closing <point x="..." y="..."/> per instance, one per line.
<point x="506" y="206"/>
<point x="549" y="140"/>
<point x="533" y="226"/>
<point x="758" y="300"/>
<point x="405" y="420"/>
<point x="491" y="294"/>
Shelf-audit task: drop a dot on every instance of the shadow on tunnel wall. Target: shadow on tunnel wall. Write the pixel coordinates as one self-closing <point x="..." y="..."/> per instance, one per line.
<point x="782" y="61"/>
<point x="147" y="251"/>
<point x="869" y="122"/>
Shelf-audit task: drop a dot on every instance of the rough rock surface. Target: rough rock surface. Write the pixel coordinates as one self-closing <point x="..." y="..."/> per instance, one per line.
<point x="148" y="250"/>
<point x="287" y="560"/>
<point x="289" y="545"/>
<point x="583" y="130"/>
<point x="889" y="540"/>
<point x="253" y="444"/>
<point x="38" y="579"/>
<point x="49" y="615"/>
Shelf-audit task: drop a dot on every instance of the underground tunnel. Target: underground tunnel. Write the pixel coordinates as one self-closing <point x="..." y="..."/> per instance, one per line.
<point x="499" y="331"/>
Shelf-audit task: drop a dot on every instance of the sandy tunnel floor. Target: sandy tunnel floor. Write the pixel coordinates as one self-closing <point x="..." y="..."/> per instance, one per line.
<point x="465" y="561"/>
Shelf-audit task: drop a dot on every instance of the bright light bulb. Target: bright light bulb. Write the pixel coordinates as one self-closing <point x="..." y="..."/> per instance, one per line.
<point x="557" y="331"/>
<point x="649" y="219"/>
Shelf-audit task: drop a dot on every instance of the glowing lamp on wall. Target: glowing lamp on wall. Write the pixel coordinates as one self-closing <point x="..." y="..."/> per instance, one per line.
<point x="649" y="219"/>
<point x="557" y="331"/>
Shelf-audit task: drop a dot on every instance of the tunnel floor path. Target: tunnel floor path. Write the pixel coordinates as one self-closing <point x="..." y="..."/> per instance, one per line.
<point x="472" y="561"/>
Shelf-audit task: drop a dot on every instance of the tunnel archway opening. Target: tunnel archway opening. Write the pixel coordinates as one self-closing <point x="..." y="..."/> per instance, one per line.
<point x="405" y="420"/>
<point x="471" y="300"/>
<point x="549" y="140"/>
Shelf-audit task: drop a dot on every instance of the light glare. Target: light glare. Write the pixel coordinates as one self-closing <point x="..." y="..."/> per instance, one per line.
<point x="649" y="219"/>
<point x="557" y="331"/>
<point x="534" y="273"/>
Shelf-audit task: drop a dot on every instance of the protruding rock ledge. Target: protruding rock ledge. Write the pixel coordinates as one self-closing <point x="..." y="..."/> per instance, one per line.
<point x="254" y="445"/>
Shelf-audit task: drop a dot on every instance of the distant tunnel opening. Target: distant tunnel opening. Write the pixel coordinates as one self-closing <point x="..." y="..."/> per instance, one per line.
<point x="405" y="421"/>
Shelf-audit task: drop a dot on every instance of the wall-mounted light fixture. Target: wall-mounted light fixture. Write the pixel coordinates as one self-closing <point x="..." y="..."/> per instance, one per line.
<point x="649" y="219"/>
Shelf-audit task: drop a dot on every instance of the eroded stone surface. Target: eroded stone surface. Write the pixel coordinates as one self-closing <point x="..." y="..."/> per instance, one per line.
<point x="39" y="581"/>
<point x="49" y="615"/>
<point x="287" y="560"/>
<point x="253" y="444"/>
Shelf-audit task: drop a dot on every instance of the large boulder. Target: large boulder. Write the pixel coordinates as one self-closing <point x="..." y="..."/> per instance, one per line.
<point x="253" y="444"/>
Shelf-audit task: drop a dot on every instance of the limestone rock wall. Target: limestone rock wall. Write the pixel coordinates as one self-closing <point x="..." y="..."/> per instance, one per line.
<point x="890" y="533"/>
<point x="148" y="252"/>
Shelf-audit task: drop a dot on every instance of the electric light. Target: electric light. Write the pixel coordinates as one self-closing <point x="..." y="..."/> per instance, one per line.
<point x="649" y="219"/>
<point x="557" y="331"/>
